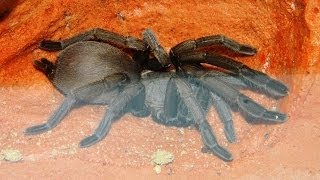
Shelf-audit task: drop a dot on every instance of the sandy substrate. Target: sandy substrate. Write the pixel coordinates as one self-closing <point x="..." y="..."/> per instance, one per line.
<point x="289" y="150"/>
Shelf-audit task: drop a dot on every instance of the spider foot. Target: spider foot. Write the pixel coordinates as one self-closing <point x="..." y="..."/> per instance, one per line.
<point x="141" y="113"/>
<point x="47" y="67"/>
<point x="210" y="142"/>
<point x="247" y="50"/>
<point x="49" y="45"/>
<point x="253" y="111"/>
<point x="276" y="88"/>
<point x="43" y="63"/>
<point x="274" y="116"/>
<point x="268" y="117"/>
<point x="37" y="129"/>
<point x="230" y="132"/>
<point x="261" y="81"/>
<point x="219" y="151"/>
<point x="89" y="141"/>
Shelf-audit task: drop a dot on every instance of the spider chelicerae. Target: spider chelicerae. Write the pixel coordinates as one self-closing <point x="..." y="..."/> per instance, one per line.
<point x="138" y="76"/>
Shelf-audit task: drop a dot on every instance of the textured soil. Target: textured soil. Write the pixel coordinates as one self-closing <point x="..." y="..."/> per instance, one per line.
<point x="286" y="34"/>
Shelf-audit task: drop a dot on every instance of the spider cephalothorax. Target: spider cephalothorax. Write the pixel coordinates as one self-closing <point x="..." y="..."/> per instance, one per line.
<point x="138" y="76"/>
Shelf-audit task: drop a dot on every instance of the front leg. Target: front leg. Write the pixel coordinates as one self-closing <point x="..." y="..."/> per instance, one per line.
<point x="196" y="69"/>
<point x="223" y="109"/>
<point x="96" y="34"/>
<point x="207" y="41"/>
<point x="250" y="109"/>
<point x="256" y="80"/>
<point x="205" y="130"/>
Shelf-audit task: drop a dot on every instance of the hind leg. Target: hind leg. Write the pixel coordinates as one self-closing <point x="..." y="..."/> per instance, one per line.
<point x="45" y="66"/>
<point x="116" y="109"/>
<point x="55" y="119"/>
<point x="96" y="34"/>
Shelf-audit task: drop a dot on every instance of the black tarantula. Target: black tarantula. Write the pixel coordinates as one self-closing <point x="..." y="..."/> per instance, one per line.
<point x="139" y="76"/>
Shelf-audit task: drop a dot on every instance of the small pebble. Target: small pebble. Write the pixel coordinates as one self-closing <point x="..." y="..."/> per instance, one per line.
<point x="11" y="155"/>
<point x="162" y="157"/>
<point x="157" y="169"/>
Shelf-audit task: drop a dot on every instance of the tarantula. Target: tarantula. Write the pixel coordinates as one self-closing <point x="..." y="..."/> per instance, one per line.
<point x="138" y="76"/>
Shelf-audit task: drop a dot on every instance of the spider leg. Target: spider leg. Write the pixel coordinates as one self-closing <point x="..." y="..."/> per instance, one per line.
<point x="55" y="119"/>
<point x="192" y="45"/>
<point x="171" y="101"/>
<point x="224" y="113"/>
<point x="250" y="109"/>
<point x="161" y="113"/>
<point x="229" y="78"/>
<point x="254" y="79"/>
<point x="138" y="107"/>
<point x="205" y="130"/>
<point x="96" y="34"/>
<point x="84" y="93"/>
<point x="221" y="106"/>
<point x="46" y="66"/>
<point x="155" y="47"/>
<point x="93" y="90"/>
<point x="115" y="111"/>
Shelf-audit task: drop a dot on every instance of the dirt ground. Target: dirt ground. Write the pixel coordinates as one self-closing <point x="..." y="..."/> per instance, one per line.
<point x="285" y="34"/>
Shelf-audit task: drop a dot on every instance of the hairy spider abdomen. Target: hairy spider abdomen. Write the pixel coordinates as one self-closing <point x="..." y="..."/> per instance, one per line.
<point x="87" y="62"/>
